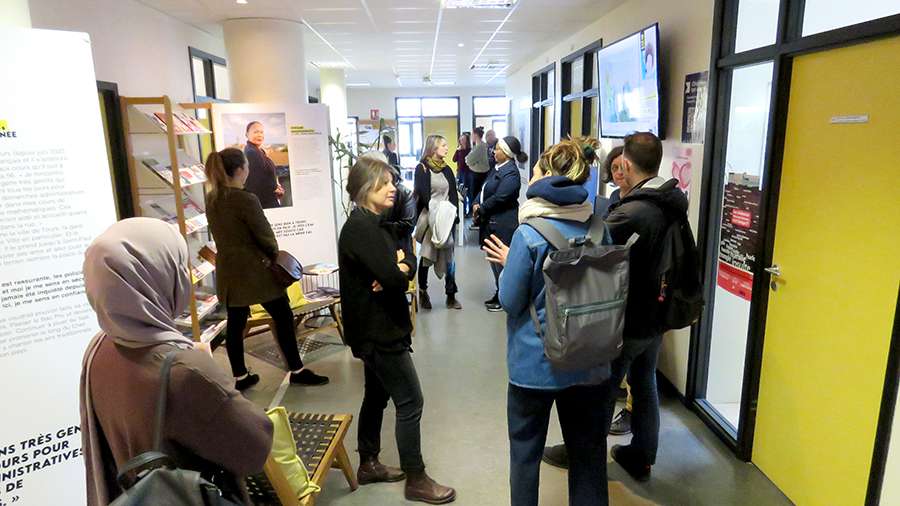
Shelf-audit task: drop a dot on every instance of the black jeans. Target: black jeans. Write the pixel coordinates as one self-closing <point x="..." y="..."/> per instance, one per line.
<point x="449" y="278"/>
<point x="283" y="323"/>
<point x="391" y="376"/>
<point x="638" y="360"/>
<point x="580" y="410"/>
<point x="478" y="179"/>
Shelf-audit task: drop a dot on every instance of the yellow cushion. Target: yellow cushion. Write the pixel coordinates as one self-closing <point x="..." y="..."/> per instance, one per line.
<point x="284" y="453"/>
<point x="295" y="295"/>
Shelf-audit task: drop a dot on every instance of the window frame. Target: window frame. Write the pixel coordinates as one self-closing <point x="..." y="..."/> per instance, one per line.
<point x="541" y="99"/>
<point x="209" y="74"/>
<point x="493" y="117"/>
<point x="585" y="97"/>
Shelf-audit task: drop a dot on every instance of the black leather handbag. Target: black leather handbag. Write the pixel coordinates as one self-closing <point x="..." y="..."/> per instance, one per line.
<point x="285" y="269"/>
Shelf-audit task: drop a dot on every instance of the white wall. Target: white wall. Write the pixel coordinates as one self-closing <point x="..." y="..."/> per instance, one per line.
<point x="685" y="28"/>
<point x="141" y="49"/>
<point x="360" y="100"/>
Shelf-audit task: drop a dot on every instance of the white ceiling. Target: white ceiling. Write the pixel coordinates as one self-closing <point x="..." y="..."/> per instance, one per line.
<point x="383" y="39"/>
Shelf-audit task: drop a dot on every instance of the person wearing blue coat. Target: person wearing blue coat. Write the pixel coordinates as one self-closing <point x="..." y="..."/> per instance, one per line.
<point x="555" y="193"/>
<point x="497" y="208"/>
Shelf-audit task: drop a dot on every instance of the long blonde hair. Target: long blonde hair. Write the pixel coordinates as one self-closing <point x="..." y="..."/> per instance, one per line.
<point x="220" y="166"/>
<point x="571" y="158"/>
<point x="431" y="146"/>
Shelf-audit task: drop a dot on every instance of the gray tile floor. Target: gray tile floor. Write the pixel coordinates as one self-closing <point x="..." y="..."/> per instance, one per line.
<point x="460" y="357"/>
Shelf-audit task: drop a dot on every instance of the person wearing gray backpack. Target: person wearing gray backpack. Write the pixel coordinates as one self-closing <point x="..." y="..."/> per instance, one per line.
<point x="556" y="196"/>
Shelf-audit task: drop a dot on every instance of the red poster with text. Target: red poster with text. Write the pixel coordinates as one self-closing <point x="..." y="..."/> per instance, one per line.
<point x="739" y="241"/>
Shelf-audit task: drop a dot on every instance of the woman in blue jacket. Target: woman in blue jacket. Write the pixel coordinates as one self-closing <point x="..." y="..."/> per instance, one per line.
<point x="555" y="192"/>
<point x="497" y="207"/>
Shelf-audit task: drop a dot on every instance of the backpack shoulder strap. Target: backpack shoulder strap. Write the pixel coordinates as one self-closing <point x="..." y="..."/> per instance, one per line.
<point x="160" y="417"/>
<point x="598" y="233"/>
<point x="549" y="232"/>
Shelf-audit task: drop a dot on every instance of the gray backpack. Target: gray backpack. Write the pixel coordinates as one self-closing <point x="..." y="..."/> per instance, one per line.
<point x="586" y="285"/>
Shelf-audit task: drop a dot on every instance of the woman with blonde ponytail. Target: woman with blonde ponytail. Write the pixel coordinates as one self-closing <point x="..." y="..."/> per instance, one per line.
<point x="556" y="193"/>
<point x="246" y="245"/>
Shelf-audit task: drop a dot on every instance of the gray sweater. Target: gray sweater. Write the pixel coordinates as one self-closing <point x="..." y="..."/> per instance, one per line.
<point x="477" y="159"/>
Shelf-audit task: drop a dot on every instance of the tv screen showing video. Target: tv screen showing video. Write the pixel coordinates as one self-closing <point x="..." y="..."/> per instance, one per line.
<point x="629" y="85"/>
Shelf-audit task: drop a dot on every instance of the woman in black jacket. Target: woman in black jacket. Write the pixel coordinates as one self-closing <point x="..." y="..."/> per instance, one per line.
<point x="374" y="278"/>
<point x="497" y="208"/>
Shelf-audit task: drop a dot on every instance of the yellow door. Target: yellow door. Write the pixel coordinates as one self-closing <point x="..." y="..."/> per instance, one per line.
<point x="449" y="128"/>
<point x="837" y="245"/>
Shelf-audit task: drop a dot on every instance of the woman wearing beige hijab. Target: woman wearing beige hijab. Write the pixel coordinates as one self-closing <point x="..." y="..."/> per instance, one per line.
<point x="137" y="281"/>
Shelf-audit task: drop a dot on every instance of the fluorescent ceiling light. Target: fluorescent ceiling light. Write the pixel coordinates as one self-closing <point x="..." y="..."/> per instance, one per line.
<point x="443" y="83"/>
<point x="495" y="76"/>
<point x="493" y="35"/>
<point x="332" y="65"/>
<point x="242" y="2"/>
<point x="329" y="44"/>
<point x="437" y="32"/>
<point x="478" y="4"/>
<point x="362" y="84"/>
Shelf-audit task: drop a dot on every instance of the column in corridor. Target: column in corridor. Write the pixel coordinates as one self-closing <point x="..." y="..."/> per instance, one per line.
<point x="333" y="93"/>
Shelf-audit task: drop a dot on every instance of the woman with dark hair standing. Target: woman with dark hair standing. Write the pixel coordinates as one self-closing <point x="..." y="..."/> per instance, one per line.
<point x="434" y="183"/>
<point x="263" y="178"/>
<point x="246" y="247"/>
<point x="498" y="206"/>
<point x="374" y="278"/>
<point x="463" y="173"/>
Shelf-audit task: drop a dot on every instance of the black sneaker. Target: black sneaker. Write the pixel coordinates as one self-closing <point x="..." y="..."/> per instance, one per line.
<point x="452" y="303"/>
<point x="621" y="424"/>
<point x="493" y="300"/>
<point x="494" y="307"/>
<point x="246" y="382"/>
<point x="556" y="456"/>
<point x="637" y="470"/>
<point x="308" y="378"/>
<point x="424" y="299"/>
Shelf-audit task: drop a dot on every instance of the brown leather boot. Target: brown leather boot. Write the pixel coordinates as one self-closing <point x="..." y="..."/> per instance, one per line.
<point x="420" y="487"/>
<point x="372" y="471"/>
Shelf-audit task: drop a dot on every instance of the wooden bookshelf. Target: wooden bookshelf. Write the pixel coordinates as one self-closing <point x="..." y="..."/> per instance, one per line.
<point x="166" y="145"/>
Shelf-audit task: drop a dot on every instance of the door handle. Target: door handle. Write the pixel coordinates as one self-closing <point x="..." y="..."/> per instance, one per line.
<point x="775" y="272"/>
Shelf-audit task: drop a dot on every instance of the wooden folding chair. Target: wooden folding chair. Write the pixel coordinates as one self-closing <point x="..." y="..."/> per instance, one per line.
<point x="320" y="445"/>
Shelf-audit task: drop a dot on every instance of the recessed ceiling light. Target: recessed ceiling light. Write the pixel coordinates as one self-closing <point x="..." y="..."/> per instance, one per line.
<point x="460" y="45"/>
<point x="242" y="2"/>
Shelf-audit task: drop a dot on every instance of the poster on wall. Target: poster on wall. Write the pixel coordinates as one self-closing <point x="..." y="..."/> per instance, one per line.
<point x="740" y="235"/>
<point x="684" y="160"/>
<point x="296" y="189"/>
<point x="55" y="198"/>
<point x="693" y="116"/>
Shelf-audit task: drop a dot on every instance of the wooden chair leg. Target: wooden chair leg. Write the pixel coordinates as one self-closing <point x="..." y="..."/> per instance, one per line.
<point x="332" y="309"/>
<point x="342" y="461"/>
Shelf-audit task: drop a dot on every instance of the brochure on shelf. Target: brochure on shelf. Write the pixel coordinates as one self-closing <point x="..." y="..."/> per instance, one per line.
<point x="206" y="305"/>
<point x="200" y="270"/>
<point x="184" y="123"/>
<point x="58" y="198"/>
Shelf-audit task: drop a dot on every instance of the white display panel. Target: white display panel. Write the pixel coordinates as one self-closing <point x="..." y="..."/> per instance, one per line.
<point x="306" y="226"/>
<point x="55" y="198"/>
<point x="629" y="85"/>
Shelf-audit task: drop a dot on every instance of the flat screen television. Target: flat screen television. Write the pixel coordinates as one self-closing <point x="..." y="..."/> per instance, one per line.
<point x="629" y="77"/>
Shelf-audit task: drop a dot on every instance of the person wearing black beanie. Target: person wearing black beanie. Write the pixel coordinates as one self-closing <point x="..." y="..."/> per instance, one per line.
<point x="497" y="208"/>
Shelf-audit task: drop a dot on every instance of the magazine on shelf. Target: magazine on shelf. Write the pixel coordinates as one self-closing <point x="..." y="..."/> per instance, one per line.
<point x="183" y="123"/>
<point x="206" y="305"/>
<point x="200" y="270"/>
<point x="214" y="329"/>
<point x="320" y="269"/>
<point x="190" y="174"/>
<point x="208" y="253"/>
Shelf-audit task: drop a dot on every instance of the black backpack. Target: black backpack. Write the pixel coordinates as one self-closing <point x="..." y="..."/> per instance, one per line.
<point x="680" y="289"/>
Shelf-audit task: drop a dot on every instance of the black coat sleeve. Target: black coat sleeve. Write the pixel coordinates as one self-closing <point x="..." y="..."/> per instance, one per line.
<point x="381" y="263"/>
<point x="507" y="194"/>
<point x="407" y="219"/>
<point x="421" y="188"/>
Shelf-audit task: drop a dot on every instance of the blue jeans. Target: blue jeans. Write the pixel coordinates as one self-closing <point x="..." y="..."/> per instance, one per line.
<point x="580" y="411"/>
<point x="638" y="360"/>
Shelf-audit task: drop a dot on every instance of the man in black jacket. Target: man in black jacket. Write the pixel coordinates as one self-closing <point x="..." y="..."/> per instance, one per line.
<point x="643" y="211"/>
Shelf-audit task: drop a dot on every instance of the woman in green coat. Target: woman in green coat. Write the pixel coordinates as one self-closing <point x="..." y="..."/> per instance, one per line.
<point x="246" y="245"/>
